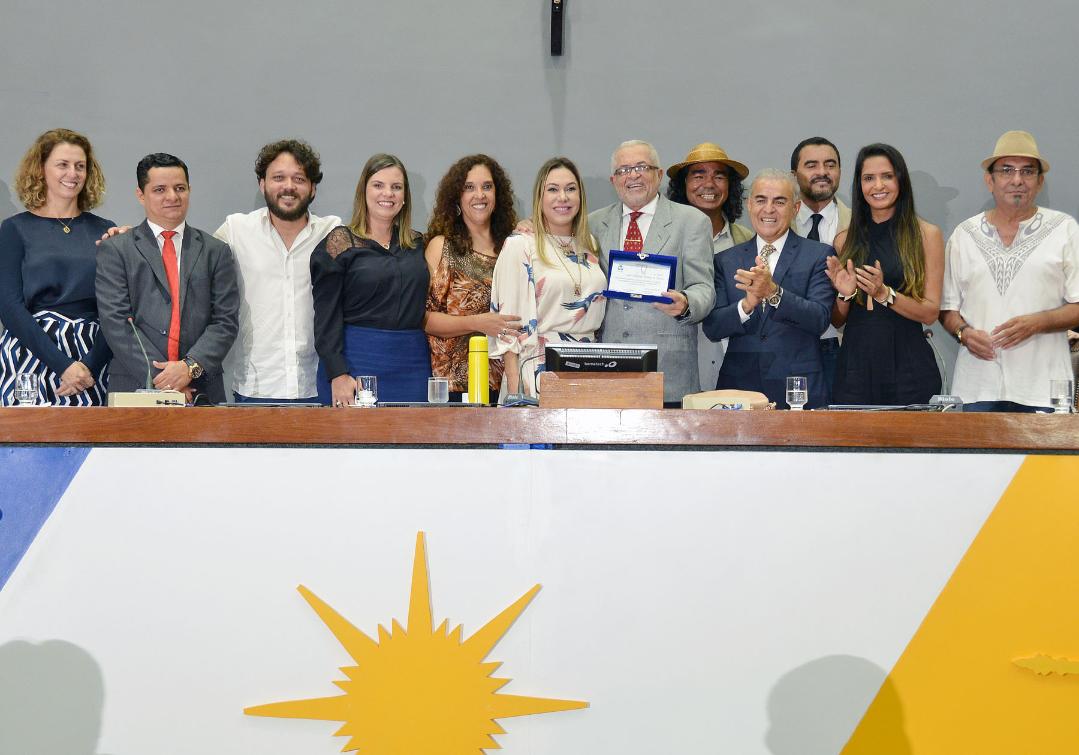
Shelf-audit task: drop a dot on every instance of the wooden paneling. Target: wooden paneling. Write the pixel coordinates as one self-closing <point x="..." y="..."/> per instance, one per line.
<point x="469" y="426"/>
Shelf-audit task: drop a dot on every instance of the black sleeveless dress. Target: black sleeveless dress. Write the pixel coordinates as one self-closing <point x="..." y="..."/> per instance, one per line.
<point x="885" y="358"/>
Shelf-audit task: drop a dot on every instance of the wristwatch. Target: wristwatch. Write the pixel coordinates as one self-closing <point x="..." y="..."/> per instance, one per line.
<point x="774" y="299"/>
<point x="685" y="313"/>
<point x="194" y="369"/>
<point x="959" y="331"/>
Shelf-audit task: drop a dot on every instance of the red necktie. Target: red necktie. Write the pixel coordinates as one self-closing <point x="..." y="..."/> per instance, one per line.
<point x="634" y="242"/>
<point x="172" y="272"/>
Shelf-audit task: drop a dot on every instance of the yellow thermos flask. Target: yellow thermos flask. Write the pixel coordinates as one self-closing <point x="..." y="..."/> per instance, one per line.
<point x="479" y="387"/>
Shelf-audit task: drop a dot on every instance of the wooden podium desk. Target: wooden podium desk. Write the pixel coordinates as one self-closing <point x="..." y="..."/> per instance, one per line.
<point x="610" y="428"/>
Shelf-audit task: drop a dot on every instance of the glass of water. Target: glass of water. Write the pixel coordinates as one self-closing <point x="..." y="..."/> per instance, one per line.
<point x="797" y="393"/>
<point x="1061" y="396"/>
<point x="26" y="388"/>
<point x="366" y="391"/>
<point x="438" y="390"/>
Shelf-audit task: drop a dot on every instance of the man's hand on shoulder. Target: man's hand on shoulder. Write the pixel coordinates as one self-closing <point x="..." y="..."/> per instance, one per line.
<point x="113" y="231"/>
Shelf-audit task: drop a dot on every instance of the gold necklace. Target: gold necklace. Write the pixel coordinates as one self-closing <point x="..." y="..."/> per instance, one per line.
<point x="567" y="250"/>
<point x="67" y="228"/>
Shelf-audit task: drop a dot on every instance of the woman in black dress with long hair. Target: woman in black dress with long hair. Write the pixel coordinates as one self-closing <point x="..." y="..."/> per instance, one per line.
<point x="889" y="276"/>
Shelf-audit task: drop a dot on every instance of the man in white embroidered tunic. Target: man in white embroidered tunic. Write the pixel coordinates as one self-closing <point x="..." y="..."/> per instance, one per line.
<point x="1011" y="287"/>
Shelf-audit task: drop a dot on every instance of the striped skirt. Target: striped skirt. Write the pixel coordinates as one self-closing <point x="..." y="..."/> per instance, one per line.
<point x="73" y="337"/>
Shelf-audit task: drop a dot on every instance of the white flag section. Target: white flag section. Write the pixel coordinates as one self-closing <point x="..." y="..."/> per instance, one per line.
<point x="700" y="602"/>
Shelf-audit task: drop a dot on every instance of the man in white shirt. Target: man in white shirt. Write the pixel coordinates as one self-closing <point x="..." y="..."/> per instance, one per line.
<point x="815" y="163"/>
<point x="645" y="221"/>
<point x="274" y="359"/>
<point x="1011" y="287"/>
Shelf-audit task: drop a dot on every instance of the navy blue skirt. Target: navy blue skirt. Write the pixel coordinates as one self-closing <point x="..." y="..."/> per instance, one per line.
<point x="399" y="358"/>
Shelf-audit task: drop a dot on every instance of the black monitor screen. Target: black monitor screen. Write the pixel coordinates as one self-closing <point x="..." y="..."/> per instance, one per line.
<point x="601" y="357"/>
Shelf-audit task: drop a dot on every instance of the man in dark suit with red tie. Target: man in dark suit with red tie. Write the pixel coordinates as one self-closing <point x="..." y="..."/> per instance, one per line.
<point x="773" y="299"/>
<point x="173" y="283"/>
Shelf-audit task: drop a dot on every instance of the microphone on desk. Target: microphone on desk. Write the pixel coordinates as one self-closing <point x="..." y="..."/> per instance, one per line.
<point x="520" y="398"/>
<point x="149" y="374"/>
<point x="940" y="360"/>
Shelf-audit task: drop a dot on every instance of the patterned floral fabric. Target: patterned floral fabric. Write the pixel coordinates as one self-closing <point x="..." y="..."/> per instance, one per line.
<point x="543" y="296"/>
<point x="461" y="285"/>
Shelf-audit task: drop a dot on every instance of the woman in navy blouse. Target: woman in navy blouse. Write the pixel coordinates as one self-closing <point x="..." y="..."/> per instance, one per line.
<point x="369" y="280"/>
<point x="47" y="265"/>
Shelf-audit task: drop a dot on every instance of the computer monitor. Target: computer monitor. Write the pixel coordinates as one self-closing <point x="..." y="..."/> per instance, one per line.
<point x="601" y="357"/>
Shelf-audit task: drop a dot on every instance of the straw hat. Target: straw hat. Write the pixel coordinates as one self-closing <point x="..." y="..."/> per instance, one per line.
<point x="707" y="152"/>
<point x="1016" y="144"/>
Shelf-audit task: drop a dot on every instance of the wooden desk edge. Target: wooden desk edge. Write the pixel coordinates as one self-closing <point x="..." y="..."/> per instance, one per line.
<point x="490" y="426"/>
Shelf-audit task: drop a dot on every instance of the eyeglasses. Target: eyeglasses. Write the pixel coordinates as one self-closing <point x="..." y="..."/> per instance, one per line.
<point x="638" y="169"/>
<point x="1008" y="171"/>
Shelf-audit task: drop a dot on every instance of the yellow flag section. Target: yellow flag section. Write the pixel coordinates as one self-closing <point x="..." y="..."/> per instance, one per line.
<point x="994" y="667"/>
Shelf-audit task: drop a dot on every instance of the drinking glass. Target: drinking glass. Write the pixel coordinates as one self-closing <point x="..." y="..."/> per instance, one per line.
<point x="438" y="390"/>
<point x="26" y="388"/>
<point x="1061" y="396"/>
<point x="366" y="391"/>
<point x="797" y="393"/>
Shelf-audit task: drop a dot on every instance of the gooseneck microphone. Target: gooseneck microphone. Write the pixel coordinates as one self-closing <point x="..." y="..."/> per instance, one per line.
<point x="945" y="385"/>
<point x="149" y="374"/>
<point x="521" y="398"/>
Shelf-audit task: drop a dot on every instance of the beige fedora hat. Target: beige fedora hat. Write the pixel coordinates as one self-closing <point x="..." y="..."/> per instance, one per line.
<point x="707" y="152"/>
<point x="1016" y="144"/>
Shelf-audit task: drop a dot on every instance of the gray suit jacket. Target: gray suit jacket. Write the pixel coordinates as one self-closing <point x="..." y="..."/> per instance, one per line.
<point x="680" y="231"/>
<point x="131" y="282"/>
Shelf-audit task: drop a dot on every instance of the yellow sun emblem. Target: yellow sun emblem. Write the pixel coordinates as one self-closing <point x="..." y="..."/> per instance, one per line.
<point x="420" y="690"/>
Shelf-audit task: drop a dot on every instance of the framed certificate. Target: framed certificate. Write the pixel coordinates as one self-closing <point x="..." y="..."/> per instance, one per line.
<point x="639" y="276"/>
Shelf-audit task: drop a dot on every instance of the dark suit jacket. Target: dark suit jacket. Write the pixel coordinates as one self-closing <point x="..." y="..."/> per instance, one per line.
<point x="775" y="342"/>
<point x="681" y="231"/>
<point x="131" y="282"/>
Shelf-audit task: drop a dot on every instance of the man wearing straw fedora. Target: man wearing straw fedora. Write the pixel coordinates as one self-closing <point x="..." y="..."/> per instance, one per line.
<point x="712" y="182"/>
<point x="1011" y="287"/>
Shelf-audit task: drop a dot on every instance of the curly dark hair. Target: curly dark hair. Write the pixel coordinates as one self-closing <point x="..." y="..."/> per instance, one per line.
<point x="732" y="208"/>
<point x="446" y="217"/>
<point x="304" y="153"/>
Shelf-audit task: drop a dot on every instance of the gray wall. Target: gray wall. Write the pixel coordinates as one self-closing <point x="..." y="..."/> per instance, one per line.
<point x="431" y="80"/>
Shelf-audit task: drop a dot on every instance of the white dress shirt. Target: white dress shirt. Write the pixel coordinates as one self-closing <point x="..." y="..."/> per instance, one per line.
<point x="273" y="356"/>
<point x="829" y="224"/>
<point x="644" y="222"/>
<point x="773" y="260"/>
<point x="828" y="230"/>
<point x="177" y="240"/>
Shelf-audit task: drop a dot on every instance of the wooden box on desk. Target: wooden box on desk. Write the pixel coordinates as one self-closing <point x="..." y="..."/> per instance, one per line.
<point x="601" y="390"/>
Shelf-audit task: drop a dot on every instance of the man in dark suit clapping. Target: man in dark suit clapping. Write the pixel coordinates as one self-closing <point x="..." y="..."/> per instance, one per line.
<point x="773" y="298"/>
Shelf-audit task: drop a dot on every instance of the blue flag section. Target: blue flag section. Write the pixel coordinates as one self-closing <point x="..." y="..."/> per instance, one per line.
<point x="32" y="480"/>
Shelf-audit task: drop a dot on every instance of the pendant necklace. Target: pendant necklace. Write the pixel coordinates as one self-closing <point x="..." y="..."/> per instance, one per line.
<point x="67" y="228"/>
<point x="567" y="251"/>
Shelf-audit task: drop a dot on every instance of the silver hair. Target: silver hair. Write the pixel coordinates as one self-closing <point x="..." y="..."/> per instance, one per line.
<point x="635" y="143"/>
<point x="775" y="174"/>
